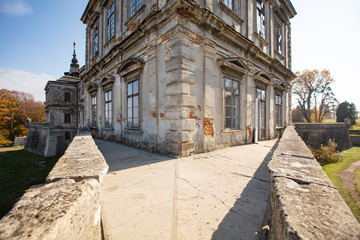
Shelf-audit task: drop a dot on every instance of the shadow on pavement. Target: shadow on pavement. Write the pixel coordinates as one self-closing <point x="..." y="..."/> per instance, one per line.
<point x="241" y="222"/>
<point x="120" y="157"/>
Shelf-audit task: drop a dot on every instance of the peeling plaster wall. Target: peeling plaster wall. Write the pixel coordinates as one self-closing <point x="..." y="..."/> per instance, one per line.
<point x="182" y="96"/>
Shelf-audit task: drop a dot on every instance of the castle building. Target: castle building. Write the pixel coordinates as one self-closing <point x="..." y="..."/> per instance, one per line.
<point x="179" y="76"/>
<point x="182" y="77"/>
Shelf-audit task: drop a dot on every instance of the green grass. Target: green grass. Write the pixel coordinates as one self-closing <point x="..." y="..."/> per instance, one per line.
<point x="329" y="121"/>
<point x="20" y="169"/>
<point x="334" y="169"/>
<point x="357" y="180"/>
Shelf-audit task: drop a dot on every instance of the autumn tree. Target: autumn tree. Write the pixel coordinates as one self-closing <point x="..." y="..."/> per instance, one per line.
<point x="314" y="94"/>
<point x="9" y="107"/>
<point x="15" y="107"/>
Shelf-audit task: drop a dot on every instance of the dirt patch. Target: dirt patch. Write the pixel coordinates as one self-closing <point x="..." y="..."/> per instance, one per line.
<point x="347" y="177"/>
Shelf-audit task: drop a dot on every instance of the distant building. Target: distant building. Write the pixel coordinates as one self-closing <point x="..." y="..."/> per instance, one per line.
<point x="183" y="77"/>
<point x="330" y="115"/>
<point x="61" y="107"/>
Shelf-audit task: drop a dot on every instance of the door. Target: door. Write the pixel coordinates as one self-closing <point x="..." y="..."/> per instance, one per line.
<point x="261" y="113"/>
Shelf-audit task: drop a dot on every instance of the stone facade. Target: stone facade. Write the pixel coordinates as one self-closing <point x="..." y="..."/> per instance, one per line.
<point x="182" y="77"/>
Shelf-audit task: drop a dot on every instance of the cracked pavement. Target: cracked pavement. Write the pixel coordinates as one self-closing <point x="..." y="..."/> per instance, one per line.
<point x="222" y="194"/>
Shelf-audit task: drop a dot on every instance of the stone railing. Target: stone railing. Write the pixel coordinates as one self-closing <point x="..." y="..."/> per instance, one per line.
<point x="304" y="203"/>
<point x="68" y="206"/>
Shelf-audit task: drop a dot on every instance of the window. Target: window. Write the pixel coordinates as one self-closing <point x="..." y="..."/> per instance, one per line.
<point x="133" y="104"/>
<point x="232" y="103"/>
<point x="67" y="136"/>
<point x="110" y="21"/>
<point x="279" y="39"/>
<point x="260" y="95"/>
<point x="260" y="12"/>
<point x="108" y="108"/>
<point x="67" y="97"/>
<point x="67" y="118"/>
<point x="278" y="110"/>
<point x="135" y="5"/>
<point x="93" y="110"/>
<point x="96" y="41"/>
<point x="229" y="4"/>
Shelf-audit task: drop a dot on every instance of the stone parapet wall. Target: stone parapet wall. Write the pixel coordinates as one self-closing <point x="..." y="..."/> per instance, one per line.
<point x="316" y="134"/>
<point x="304" y="202"/>
<point x="355" y="140"/>
<point x="19" y="141"/>
<point x="69" y="206"/>
<point x="37" y="138"/>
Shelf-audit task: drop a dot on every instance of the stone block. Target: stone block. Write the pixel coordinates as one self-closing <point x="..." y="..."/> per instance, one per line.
<point x="177" y="113"/>
<point x="180" y="75"/>
<point x="178" y="63"/>
<point x="178" y="136"/>
<point x="180" y="100"/>
<point x="62" y="210"/>
<point x="182" y="124"/>
<point x="81" y="160"/>
<point x="176" y="88"/>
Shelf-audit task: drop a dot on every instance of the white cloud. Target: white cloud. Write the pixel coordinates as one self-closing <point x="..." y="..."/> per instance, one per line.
<point x="13" y="79"/>
<point x="14" y="7"/>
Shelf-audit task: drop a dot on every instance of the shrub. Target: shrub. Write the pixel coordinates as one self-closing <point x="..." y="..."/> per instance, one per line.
<point x="326" y="153"/>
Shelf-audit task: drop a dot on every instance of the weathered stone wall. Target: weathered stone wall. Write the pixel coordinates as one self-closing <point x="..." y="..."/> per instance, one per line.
<point x="304" y="203"/>
<point x="69" y="206"/>
<point x="37" y="139"/>
<point x="355" y="140"/>
<point x="19" y="141"/>
<point x="316" y="134"/>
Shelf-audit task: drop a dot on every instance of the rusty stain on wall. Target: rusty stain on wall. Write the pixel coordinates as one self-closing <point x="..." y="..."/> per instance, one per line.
<point x="209" y="127"/>
<point x="154" y="112"/>
<point x="248" y="129"/>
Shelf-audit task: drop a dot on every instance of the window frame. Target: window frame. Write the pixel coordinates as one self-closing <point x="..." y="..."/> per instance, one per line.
<point x="67" y="117"/>
<point x="229" y="4"/>
<point x="279" y="109"/>
<point x="279" y="39"/>
<point x="108" y="110"/>
<point x="110" y="20"/>
<point x="235" y="97"/>
<point x="95" y="41"/>
<point x="67" y="97"/>
<point x="260" y="18"/>
<point x="134" y="7"/>
<point x="93" y="109"/>
<point x="130" y="119"/>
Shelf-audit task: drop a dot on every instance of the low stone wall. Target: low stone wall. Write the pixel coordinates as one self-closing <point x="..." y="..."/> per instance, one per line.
<point x="304" y="202"/>
<point x="37" y="138"/>
<point x="68" y="207"/>
<point x="19" y="141"/>
<point x="316" y="134"/>
<point x="355" y="140"/>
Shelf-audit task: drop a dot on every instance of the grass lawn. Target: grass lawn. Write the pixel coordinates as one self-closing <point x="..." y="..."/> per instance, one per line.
<point x="329" y="121"/>
<point x="356" y="126"/>
<point x="334" y="169"/>
<point x="20" y="169"/>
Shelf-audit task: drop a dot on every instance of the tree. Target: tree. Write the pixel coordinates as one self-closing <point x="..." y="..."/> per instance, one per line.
<point x="346" y="110"/>
<point x="297" y="115"/>
<point x="9" y="107"/>
<point x="15" y="107"/>
<point x="314" y="94"/>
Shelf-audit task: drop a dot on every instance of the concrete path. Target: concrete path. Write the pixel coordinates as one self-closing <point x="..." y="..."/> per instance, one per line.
<point x="223" y="194"/>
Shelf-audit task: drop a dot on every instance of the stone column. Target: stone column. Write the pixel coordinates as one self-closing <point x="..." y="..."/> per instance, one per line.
<point x="209" y="98"/>
<point x="179" y="81"/>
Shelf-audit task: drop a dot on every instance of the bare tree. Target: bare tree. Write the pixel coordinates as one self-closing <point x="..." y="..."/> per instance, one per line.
<point x="314" y="94"/>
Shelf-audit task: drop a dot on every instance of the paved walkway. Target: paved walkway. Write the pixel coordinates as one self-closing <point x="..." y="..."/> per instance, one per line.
<point x="223" y="194"/>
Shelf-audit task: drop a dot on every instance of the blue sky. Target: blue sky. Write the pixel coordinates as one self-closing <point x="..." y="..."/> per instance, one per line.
<point x="37" y="35"/>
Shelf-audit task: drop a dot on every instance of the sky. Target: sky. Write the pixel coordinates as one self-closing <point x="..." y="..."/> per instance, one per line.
<point x="37" y="36"/>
